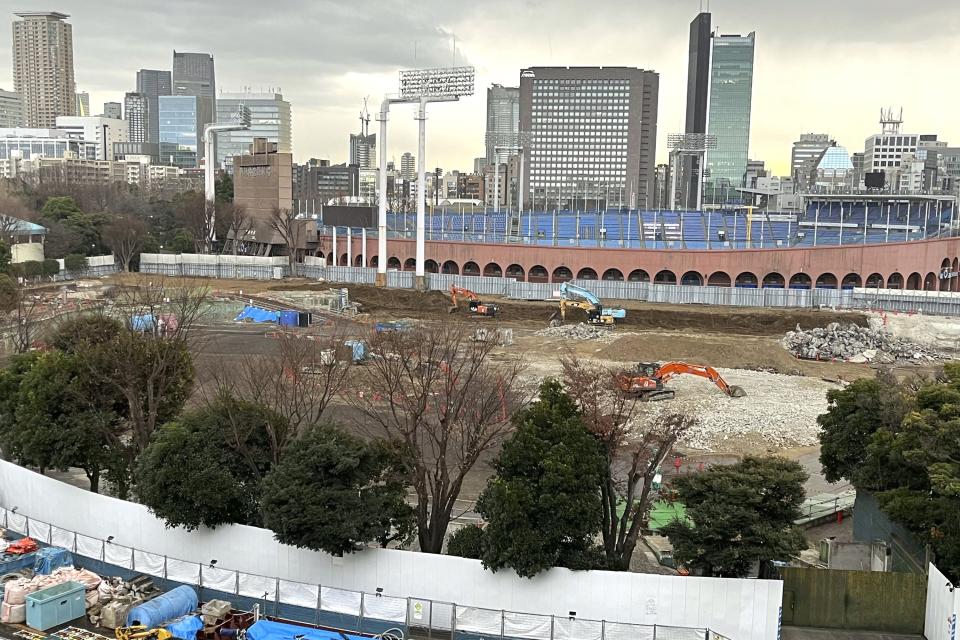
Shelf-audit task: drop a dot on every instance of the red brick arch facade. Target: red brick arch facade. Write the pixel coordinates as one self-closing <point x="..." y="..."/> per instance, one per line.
<point x="914" y="265"/>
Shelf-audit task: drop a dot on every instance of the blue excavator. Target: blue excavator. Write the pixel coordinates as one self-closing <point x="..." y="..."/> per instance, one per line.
<point x="579" y="298"/>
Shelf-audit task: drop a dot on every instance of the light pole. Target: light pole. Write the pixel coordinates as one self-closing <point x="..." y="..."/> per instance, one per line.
<point x="241" y="123"/>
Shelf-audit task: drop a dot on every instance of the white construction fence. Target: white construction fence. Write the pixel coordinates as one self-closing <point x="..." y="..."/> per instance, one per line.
<point x="943" y="605"/>
<point x="419" y="589"/>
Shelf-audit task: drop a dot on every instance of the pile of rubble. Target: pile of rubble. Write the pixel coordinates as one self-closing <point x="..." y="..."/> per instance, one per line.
<point x="581" y="331"/>
<point x="854" y="344"/>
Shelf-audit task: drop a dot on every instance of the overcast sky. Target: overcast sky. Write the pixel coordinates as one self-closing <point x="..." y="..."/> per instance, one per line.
<point x="821" y="65"/>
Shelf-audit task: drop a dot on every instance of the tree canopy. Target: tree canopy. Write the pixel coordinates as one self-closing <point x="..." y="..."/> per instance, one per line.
<point x="543" y="505"/>
<point x="334" y="492"/>
<point x="738" y="514"/>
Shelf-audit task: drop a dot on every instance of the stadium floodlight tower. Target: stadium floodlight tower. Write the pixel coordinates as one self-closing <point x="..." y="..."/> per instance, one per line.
<point x="684" y="145"/>
<point x="514" y="142"/>
<point x="418" y="86"/>
<point x="241" y="122"/>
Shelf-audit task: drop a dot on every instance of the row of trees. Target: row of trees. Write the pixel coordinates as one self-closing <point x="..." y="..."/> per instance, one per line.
<point x="901" y="441"/>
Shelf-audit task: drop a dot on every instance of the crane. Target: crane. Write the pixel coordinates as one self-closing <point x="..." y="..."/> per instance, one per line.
<point x="476" y="307"/>
<point x="580" y="298"/>
<point x="648" y="380"/>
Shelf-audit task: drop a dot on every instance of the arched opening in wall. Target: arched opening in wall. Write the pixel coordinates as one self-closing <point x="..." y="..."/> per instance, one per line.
<point x="318" y="254"/>
<point x="538" y="273"/>
<point x="914" y="282"/>
<point x="895" y="281"/>
<point x="827" y="281"/>
<point x="431" y="266"/>
<point x="945" y="264"/>
<point x="410" y="264"/>
<point x="492" y="270"/>
<point x="374" y="260"/>
<point x="471" y="269"/>
<point x="774" y="281"/>
<point x="800" y="281"/>
<point x="746" y="280"/>
<point x="930" y="282"/>
<point x="450" y="267"/>
<point x="586" y="274"/>
<point x="638" y="275"/>
<point x="393" y="263"/>
<point x="851" y="281"/>
<point x="561" y="274"/>
<point x="691" y="279"/>
<point x="613" y="274"/>
<point x="665" y="277"/>
<point x="358" y="261"/>
<point x="874" y="281"/>
<point x="719" y="279"/>
<point x="516" y="271"/>
<point x="344" y="261"/>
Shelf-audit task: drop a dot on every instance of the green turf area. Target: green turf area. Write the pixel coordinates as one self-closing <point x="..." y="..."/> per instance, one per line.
<point x="662" y="513"/>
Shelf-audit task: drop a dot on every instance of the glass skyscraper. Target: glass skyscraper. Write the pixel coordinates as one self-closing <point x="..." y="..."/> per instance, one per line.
<point x="731" y="97"/>
<point x="269" y="118"/>
<point x="180" y="135"/>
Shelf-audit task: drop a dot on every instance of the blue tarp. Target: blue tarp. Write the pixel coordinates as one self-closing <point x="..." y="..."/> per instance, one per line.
<point x="185" y="628"/>
<point x="143" y="322"/>
<point x="359" y="349"/>
<point x="289" y="318"/>
<point x="256" y="314"/>
<point x="173" y="604"/>
<point x="49" y="559"/>
<point x="268" y="630"/>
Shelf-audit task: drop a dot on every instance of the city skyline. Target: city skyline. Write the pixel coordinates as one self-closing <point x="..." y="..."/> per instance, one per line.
<point x="868" y="62"/>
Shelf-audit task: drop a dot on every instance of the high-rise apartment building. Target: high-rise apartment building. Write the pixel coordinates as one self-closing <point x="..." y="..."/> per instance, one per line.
<point x="503" y="118"/>
<point x="269" y="119"/>
<point x="728" y="118"/>
<point x="698" y="99"/>
<point x="181" y="132"/>
<point x="83" y="104"/>
<point x="408" y="167"/>
<point x="113" y="110"/>
<point x="43" y="66"/>
<point x="593" y="135"/>
<point x="11" y="110"/>
<point x="136" y="107"/>
<point x="153" y="83"/>
<point x="363" y="150"/>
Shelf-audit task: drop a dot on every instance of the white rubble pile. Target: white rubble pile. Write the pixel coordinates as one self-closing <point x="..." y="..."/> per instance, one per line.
<point x="581" y="331"/>
<point x="854" y="344"/>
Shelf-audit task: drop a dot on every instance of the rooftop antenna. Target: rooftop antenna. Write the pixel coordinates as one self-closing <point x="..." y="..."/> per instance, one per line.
<point x="365" y="118"/>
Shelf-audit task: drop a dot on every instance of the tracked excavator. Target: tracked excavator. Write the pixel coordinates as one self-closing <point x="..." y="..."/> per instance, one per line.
<point x="572" y="296"/>
<point x="648" y="380"/>
<point x="475" y="307"/>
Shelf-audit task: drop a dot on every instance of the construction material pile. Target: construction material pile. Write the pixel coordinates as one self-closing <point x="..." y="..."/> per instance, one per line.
<point x="15" y="592"/>
<point x="854" y="344"/>
<point x="115" y="598"/>
<point x="581" y="331"/>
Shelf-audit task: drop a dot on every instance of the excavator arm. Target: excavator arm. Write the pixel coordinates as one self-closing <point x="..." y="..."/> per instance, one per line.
<point x="477" y="308"/>
<point x="670" y="370"/>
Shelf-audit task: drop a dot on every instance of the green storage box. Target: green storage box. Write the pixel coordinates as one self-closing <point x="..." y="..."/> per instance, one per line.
<point x="56" y="605"/>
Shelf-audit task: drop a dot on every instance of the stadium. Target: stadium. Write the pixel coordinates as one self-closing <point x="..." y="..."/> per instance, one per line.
<point x="883" y="241"/>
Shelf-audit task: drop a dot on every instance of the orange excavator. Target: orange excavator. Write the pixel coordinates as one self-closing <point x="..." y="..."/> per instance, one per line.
<point x="648" y="380"/>
<point x="475" y="306"/>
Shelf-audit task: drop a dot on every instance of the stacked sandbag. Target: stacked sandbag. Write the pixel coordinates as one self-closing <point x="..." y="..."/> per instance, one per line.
<point x="13" y="613"/>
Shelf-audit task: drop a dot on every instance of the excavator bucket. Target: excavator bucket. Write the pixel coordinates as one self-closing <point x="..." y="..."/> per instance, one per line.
<point x="737" y="392"/>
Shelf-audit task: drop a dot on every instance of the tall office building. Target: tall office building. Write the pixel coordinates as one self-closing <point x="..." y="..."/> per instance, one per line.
<point x="363" y="150"/>
<point x="11" y="110"/>
<point x="113" y="110"/>
<point x="136" y="107"/>
<point x="698" y="98"/>
<point x="269" y="119"/>
<point x="181" y="132"/>
<point x="503" y="117"/>
<point x="593" y="135"/>
<point x="728" y="119"/>
<point x="805" y="155"/>
<point x="83" y="104"/>
<point x="193" y="75"/>
<point x="408" y="167"/>
<point x="43" y="66"/>
<point x="153" y="83"/>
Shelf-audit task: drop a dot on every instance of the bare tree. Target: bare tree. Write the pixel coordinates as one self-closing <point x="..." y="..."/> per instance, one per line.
<point x="28" y="316"/>
<point x="284" y="223"/>
<point x="125" y="235"/>
<point x="298" y="383"/>
<point x="441" y="396"/>
<point x="192" y="213"/>
<point x="636" y="445"/>
<point x="235" y="222"/>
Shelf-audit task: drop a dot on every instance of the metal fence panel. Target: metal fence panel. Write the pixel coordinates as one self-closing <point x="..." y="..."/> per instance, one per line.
<point x="527" y="625"/>
<point x="575" y="629"/>
<point x="680" y="633"/>
<point x="479" y="620"/>
<point x="622" y="631"/>
<point x="400" y="279"/>
<point x="532" y="291"/>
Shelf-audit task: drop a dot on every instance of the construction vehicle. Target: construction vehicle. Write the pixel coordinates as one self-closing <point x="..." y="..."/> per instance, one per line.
<point x="476" y="307"/>
<point x="648" y="380"/>
<point x="572" y="296"/>
<point x="140" y="632"/>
